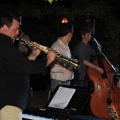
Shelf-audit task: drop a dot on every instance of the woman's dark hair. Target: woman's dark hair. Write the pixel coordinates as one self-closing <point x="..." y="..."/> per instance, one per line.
<point x="6" y="18"/>
<point x="65" y="28"/>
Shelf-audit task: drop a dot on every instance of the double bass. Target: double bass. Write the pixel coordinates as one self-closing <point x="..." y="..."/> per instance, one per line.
<point x="114" y="109"/>
<point x="101" y="101"/>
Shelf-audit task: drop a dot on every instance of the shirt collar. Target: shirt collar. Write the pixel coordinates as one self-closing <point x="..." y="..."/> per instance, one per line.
<point x="62" y="43"/>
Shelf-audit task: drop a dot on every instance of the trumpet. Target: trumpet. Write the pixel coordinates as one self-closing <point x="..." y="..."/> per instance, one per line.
<point x="59" y="57"/>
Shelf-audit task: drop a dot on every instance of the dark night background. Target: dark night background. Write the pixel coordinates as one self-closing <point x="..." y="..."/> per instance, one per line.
<point x="40" y="20"/>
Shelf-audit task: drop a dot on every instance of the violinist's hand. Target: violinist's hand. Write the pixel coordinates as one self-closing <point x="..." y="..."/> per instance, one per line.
<point x="99" y="69"/>
<point x="35" y="52"/>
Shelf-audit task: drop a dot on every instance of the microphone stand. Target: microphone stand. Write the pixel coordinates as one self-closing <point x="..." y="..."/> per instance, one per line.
<point x="100" y="50"/>
<point x="109" y="100"/>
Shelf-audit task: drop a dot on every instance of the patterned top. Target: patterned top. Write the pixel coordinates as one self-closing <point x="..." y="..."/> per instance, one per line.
<point x="59" y="72"/>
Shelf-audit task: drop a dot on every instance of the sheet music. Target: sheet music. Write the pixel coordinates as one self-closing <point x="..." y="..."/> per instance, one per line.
<point x="62" y="97"/>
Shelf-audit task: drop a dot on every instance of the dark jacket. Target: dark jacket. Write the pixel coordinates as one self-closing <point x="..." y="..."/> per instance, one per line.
<point x="14" y="67"/>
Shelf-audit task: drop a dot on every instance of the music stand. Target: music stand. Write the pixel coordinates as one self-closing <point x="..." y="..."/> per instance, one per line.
<point x="70" y="99"/>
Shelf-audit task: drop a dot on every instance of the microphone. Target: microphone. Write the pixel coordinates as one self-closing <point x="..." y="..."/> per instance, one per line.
<point x="98" y="44"/>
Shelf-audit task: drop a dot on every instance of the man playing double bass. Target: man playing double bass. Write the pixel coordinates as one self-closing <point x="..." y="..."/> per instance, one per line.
<point x="84" y="51"/>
